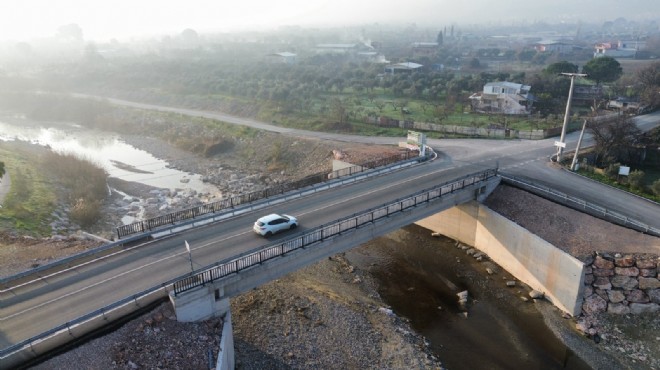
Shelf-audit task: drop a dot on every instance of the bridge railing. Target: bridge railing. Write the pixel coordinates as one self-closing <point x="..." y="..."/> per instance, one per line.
<point x="249" y="259"/>
<point x="581" y="205"/>
<point x="190" y="213"/>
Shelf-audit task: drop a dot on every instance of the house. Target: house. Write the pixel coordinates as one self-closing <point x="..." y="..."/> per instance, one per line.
<point x="283" y="57"/>
<point x="424" y="48"/>
<point x="337" y="48"/>
<point x="503" y="97"/>
<point x="620" y="49"/>
<point x="625" y="105"/>
<point x="553" y="47"/>
<point x="402" y="67"/>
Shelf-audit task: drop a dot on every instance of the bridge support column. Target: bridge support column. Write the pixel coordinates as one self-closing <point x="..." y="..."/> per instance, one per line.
<point x="200" y="303"/>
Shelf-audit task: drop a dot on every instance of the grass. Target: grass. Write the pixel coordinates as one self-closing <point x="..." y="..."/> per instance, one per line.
<point x="651" y="169"/>
<point x="31" y="200"/>
<point x="40" y="180"/>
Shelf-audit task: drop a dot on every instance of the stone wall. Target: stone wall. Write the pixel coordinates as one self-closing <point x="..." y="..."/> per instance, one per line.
<point x="621" y="284"/>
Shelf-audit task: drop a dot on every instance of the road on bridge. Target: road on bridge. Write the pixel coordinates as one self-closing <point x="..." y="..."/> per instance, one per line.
<point x="31" y="309"/>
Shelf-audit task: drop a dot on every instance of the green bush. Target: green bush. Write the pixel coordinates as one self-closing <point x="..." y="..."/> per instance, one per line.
<point x="655" y="188"/>
<point x="636" y="180"/>
<point x="612" y="171"/>
<point x="86" y="212"/>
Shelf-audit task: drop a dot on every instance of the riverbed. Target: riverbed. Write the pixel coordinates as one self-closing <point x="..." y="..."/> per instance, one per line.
<point x="420" y="277"/>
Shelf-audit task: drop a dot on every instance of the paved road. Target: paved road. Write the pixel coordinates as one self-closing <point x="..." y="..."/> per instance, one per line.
<point x="28" y="310"/>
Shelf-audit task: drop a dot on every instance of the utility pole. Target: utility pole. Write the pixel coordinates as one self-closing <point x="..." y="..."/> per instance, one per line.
<point x="561" y="143"/>
<point x="577" y="149"/>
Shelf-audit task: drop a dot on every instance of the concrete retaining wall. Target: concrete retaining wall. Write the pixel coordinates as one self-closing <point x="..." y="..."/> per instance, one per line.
<point x="526" y="256"/>
<point x="226" y="352"/>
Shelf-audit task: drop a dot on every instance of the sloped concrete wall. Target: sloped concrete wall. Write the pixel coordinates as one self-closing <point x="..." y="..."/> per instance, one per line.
<point x="526" y="256"/>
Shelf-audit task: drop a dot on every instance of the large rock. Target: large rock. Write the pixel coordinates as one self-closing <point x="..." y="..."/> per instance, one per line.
<point x="649" y="283"/>
<point x="648" y="272"/>
<point x="616" y="296"/>
<point x="646" y="264"/>
<point x="626" y="271"/>
<point x="594" y="304"/>
<point x="654" y="295"/>
<point x="638" y="308"/>
<point x="602" y="263"/>
<point x="618" y="308"/>
<point x="625" y="261"/>
<point x="624" y="282"/>
<point x="603" y="272"/>
<point x="637" y="296"/>
<point x="602" y="282"/>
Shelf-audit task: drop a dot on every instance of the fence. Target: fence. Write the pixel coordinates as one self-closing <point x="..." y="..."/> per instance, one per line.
<point x="582" y="205"/>
<point x="174" y="217"/>
<point x="222" y="269"/>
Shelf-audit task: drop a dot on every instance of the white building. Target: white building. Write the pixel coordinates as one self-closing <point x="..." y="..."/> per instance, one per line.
<point x="503" y="97"/>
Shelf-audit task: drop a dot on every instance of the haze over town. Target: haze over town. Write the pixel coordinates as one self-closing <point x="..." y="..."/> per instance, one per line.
<point x="101" y="21"/>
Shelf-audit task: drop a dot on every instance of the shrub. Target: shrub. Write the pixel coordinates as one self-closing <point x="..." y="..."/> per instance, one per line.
<point x="612" y="171"/>
<point x="636" y="180"/>
<point x="655" y="188"/>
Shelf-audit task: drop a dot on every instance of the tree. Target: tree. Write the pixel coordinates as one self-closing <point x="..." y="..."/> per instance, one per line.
<point x="561" y="67"/>
<point x="603" y="69"/>
<point x="615" y="141"/>
<point x="439" y="38"/>
<point x="2" y="169"/>
<point x="649" y="80"/>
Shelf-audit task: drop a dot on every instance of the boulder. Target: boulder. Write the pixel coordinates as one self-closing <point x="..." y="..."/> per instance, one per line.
<point x="624" y="282"/>
<point x="649" y="283"/>
<point x="637" y="296"/>
<point x="639" y="308"/>
<point x="625" y="261"/>
<point x="602" y="263"/>
<point x="594" y="304"/>
<point x="602" y="282"/>
<point x="618" y="309"/>
<point x="616" y="296"/>
<point x="646" y="264"/>
<point x="648" y="272"/>
<point x="626" y="271"/>
<point x="654" y="295"/>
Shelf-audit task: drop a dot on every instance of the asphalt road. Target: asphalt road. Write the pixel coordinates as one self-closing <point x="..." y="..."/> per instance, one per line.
<point x="33" y="308"/>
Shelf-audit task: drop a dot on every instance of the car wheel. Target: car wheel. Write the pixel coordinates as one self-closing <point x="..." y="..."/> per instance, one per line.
<point x="268" y="233"/>
<point x="293" y="226"/>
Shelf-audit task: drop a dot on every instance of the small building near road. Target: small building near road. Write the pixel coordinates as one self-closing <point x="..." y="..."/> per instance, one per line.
<point x="503" y="97"/>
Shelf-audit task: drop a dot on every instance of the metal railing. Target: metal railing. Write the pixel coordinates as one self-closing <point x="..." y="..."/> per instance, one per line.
<point x="582" y="205"/>
<point x="191" y="213"/>
<point x="249" y="259"/>
<point x="221" y="269"/>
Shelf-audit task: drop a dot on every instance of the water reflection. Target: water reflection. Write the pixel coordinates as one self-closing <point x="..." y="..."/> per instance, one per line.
<point x="106" y="150"/>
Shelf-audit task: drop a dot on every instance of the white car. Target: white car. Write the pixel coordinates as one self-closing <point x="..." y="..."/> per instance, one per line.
<point x="274" y="223"/>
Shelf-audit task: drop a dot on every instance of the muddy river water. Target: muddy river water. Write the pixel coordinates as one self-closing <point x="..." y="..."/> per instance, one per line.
<point x="420" y="276"/>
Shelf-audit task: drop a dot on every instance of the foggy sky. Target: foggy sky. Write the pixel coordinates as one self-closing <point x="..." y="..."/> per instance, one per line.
<point x="21" y="20"/>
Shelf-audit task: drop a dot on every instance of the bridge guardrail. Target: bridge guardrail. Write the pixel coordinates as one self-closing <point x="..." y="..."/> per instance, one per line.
<point x="190" y="213"/>
<point x="582" y="205"/>
<point x="255" y="257"/>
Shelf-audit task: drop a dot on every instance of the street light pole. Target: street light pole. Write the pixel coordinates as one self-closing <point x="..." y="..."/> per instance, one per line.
<point x="568" y="112"/>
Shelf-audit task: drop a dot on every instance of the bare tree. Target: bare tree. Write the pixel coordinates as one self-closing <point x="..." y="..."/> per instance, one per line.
<point x="615" y="141"/>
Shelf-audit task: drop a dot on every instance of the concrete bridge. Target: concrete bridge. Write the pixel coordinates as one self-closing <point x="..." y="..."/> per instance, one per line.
<point x="444" y="201"/>
<point x="206" y="292"/>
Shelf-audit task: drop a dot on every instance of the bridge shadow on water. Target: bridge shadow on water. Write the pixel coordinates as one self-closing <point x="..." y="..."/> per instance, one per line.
<point x="419" y="276"/>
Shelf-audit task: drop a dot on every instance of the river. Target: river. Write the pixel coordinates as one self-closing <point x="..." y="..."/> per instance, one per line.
<point x="106" y="149"/>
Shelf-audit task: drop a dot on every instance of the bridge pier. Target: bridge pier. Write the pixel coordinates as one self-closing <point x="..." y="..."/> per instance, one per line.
<point x="200" y="303"/>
